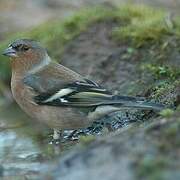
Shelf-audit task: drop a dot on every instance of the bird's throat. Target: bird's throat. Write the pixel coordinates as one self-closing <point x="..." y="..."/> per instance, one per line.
<point x="27" y="65"/>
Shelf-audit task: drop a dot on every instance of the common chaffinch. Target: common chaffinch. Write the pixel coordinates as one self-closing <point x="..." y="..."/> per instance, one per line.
<point x="58" y="96"/>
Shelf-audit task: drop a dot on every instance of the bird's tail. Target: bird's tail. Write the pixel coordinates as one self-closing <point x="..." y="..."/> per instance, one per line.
<point x="138" y="103"/>
<point x="117" y="103"/>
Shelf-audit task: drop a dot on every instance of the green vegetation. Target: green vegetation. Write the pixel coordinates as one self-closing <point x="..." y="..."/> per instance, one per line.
<point x="167" y="112"/>
<point x="84" y="140"/>
<point x="160" y="72"/>
<point x="164" y="90"/>
<point x="145" y="24"/>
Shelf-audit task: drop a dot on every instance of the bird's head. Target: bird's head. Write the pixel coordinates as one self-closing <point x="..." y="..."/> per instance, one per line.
<point x="26" y="52"/>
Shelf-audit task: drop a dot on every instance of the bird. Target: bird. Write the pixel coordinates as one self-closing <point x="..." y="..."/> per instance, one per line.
<point x="57" y="96"/>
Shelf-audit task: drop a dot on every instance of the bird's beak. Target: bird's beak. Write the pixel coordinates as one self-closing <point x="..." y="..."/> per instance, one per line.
<point x="10" y="52"/>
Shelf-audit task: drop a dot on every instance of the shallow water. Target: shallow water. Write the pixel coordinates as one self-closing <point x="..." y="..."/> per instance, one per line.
<point x="23" y="150"/>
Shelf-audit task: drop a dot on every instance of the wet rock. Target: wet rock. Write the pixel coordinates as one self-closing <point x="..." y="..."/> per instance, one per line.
<point x="1" y="171"/>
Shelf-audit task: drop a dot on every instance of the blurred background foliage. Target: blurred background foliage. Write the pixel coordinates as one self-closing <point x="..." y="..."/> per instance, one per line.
<point x="140" y="25"/>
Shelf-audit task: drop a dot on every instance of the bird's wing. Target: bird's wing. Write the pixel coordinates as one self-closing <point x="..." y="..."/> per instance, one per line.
<point x="58" y="86"/>
<point x="81" y="94"/>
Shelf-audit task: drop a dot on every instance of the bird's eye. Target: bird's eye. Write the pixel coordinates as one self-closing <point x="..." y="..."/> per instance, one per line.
<point x="25" y="48"/>
<point x="22" y="47"/>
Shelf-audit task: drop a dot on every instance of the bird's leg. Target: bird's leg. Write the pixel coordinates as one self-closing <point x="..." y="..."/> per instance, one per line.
<point x="57" y="136"/>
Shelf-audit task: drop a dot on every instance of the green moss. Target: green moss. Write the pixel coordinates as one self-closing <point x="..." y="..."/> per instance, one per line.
<point x="84" y="140"/>
<point x="178" y="108"/>
<point x="145" y="25"/>
<point x="167" y="112"/>
<point x="160" y="72"/>
<point x="165" y="91"/>
<point x="56" y="34"/>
